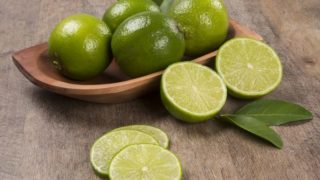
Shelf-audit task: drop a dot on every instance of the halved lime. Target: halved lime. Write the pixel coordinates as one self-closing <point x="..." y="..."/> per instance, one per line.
<point x="249" y="68"/>
<point x="192" y="92"/>
<point x="111" y="143"/>
<point x="156" y="133"/>
<point x="145" y="161"/>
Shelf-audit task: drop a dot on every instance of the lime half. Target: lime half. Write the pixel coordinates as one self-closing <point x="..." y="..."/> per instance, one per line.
<point x="111" y="143"/>
<point x="249" y="67"/>
<point x="156" y="133"/>
<point x="192" y="92"/>
<point x="145" y="161"/>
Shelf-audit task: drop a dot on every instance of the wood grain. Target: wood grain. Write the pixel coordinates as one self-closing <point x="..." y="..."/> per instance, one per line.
<point x="47" y="136"/>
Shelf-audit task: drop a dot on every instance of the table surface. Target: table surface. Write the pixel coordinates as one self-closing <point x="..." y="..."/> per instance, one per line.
<point x="48" y="136"/>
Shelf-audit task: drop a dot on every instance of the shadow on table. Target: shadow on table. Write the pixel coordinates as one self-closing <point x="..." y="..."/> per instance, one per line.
<point x="144" y="110"/>
<point x="60" y="108"/>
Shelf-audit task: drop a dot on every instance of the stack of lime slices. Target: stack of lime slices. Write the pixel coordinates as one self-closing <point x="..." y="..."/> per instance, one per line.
<point x="135" y="152"/>
<point x="195" y="93"/>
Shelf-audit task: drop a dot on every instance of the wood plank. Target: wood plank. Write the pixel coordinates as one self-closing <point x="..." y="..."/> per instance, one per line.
<point x="47" y="136"/>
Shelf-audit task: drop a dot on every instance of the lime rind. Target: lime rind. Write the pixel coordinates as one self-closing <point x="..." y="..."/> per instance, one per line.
<point x="182" y="113"/>
<point x="234" y="90"/>
<point x="156" y="133"/>
<point x="105" y="147"/>
<point x="138" y="162"/>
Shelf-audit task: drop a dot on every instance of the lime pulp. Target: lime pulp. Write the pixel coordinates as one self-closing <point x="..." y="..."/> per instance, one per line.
<point x="145" y="161"/>
<point x="249" y="68"/>
<point x="192" y="92"/>
<point x="156" y="133"/>
<point x="111" y="143"/>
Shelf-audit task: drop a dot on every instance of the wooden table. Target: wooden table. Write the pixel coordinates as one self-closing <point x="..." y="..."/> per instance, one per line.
<point x="47" y="136"/>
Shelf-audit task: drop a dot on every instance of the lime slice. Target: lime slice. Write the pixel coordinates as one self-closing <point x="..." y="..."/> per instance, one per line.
<point x="156" y="133"/>
<point x="249" y="68"/>
<point x="111" y="143"/>
<point x="192" y="92"/>
<point x="145" y="161"/>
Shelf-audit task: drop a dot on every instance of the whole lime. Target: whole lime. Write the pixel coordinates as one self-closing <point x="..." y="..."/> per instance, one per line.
<point x="204" y="23"/>
<point x="79" y="46"/>
<point x="123" y="9"/>
<point x="147" y="42"/>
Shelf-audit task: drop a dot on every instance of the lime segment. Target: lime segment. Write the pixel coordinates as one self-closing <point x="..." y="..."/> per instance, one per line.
<point x="249" y="68"/>
<point x="156" y="133"/>
<point x="145" y="161"/>
<point x="111" y="143"/>
<point x="192" y="92"/>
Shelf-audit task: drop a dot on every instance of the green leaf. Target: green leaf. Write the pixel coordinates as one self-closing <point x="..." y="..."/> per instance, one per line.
<point x="275" y="112"/>
<point x="255" y="127"/>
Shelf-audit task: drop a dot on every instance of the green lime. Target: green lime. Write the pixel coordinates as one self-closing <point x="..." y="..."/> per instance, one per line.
<point x="156" y="133"/>
<point x="158" y="2"/>
<point x="145" y="161"/>
<point x="249" y="68"/>
<point x="165" y="5"/>
<point x="147" y="42"/>
<point x="123" y="9"/>
<point x="111" y="143"/>
<point x="204" y="24"/>
<point x="192" y="92"/>
<point x="79" y="46"/>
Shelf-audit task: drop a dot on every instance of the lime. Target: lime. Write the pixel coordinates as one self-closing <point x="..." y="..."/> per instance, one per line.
<point x="145" y="161"/>
<point x="249" y="68"/>
<point x="158" y="2"/>
<point x="79" y="46"/>
<point x="111" y="143"/>
<point x="123" y="9"/>
<point x="147" y="42"/>
<point x="204" y="24"/>
<point x="165" y="5"/>
<point x="156" y="133"/>
<point x="192" y="92"/>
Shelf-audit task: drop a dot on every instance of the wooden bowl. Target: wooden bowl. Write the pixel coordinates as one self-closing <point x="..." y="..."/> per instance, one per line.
<point x="110" y="87"/>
